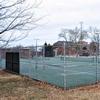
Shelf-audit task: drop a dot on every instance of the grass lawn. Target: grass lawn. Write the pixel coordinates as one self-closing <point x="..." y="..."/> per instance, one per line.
<point x="15" y="87"/>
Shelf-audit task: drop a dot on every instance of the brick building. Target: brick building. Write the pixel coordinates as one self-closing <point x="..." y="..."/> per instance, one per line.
<point x="71" y="48"/>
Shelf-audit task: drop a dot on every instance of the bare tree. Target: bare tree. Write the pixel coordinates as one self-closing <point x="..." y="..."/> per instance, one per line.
<point x="76" y="36"/>
<point x="17" y="16"/>
<point x="95" y="40"/>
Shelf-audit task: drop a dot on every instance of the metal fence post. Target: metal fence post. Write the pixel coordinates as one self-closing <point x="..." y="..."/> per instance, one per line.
<point x="43" y="58"/>
<point x="97" y="56"/>
<point x="65" y="84"/>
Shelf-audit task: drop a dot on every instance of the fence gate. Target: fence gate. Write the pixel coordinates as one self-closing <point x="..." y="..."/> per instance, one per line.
<point x="12" y="61"/>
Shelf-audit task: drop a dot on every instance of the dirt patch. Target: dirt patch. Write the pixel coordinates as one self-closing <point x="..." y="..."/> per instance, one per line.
<point x="14" y="87"/>
<point x="3" y="73"/>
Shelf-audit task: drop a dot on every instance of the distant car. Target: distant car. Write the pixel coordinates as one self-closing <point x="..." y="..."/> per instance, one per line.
<point x="84" y="54"/>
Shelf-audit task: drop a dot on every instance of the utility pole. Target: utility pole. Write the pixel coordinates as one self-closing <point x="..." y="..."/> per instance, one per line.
<point x="81" y="29"/>
<point x="36" y="47"/>
<point x="36" y="53"/>
<point x="81" y="36"/>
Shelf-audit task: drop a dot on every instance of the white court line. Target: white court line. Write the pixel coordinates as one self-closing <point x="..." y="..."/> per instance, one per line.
<point x="69" y="66"/>
<point x="77" y="73"/>
<point x="87" y="65"/>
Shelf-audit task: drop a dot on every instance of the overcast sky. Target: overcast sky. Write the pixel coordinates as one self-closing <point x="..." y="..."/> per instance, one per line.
<point x="62" y="14"/>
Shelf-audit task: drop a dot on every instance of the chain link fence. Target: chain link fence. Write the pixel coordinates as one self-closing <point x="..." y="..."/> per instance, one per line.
<point x="65" y="64"/>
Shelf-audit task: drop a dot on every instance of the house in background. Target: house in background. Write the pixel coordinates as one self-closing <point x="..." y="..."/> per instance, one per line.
<point x="71" y="48"/>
